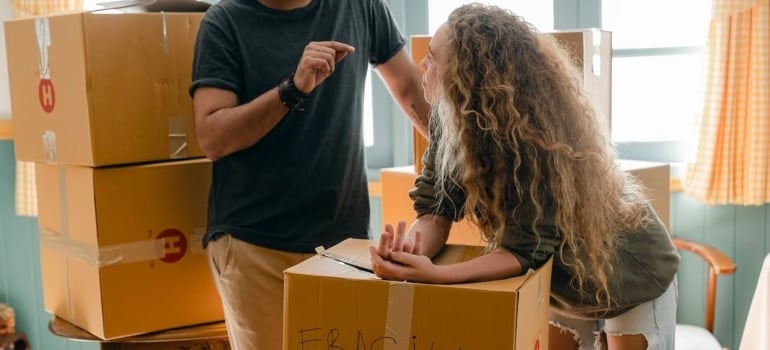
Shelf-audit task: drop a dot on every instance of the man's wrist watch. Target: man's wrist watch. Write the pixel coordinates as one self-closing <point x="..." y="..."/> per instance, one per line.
<point x="290" y="94"/>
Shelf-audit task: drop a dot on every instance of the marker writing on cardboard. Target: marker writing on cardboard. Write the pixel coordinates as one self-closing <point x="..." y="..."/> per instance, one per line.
<point x="333" y="340"/>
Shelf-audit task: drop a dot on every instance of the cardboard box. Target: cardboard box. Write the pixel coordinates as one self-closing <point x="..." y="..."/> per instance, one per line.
<point x="121" y="247"/>
<point x="332" y="305"/>
<point x="398" y="181"/>
<point x="656" y="179"/>
<point x="418" y="47"/>
<point x="100" y="88"/>
<point x="591" y="51"/>
<point x="210" y="336"/>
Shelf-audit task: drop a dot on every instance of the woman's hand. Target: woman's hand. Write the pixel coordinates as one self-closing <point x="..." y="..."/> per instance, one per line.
<point x="404" y="266"/>
<point x="399" y="241"/>
<point x="398" y="256"/>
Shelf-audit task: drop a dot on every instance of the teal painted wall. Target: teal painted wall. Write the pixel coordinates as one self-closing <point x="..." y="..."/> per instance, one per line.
<point x="20" y="284"/>
<point x="741" y="232"/>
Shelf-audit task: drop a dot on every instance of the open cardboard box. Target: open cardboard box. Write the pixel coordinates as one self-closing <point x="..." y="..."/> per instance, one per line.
<point x="332" y="301"/>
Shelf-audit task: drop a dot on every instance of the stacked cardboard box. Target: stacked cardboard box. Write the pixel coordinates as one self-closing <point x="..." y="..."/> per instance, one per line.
<point x="97" y="89"/>
<point x="100" y="104"/>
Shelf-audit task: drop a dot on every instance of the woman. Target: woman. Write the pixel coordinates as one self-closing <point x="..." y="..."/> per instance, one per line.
<point x="517" y="148"/>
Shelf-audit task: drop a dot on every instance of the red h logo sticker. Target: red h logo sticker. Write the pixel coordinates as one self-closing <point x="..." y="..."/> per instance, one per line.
<point x="46" y="94"/>
<point x="175" y="245"/>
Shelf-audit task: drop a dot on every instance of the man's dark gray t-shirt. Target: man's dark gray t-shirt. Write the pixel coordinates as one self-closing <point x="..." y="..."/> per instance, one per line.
<point x="304" y="184"/>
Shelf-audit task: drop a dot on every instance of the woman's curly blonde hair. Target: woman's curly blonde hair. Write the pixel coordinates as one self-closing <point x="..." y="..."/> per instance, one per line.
<point x="515" y="125"/>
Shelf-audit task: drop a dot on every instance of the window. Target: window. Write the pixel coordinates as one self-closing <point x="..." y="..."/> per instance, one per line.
<point x="537" y="12"/>
<point x="658" y="67"/>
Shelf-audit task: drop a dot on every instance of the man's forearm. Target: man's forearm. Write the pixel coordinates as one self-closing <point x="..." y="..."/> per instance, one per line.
<point x="229" y="130"/>
<point x="404" y="82"/>
<point x="414" y="105"/>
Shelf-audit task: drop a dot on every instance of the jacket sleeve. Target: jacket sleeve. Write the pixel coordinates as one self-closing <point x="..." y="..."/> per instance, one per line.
<point x="530" y="248"/>
<point x="425" y="196"/>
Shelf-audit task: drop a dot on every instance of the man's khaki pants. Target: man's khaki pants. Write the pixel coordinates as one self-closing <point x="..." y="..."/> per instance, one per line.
<point x="250" y="282"/>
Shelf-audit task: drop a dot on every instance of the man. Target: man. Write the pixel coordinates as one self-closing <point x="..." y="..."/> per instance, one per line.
<point x="278" y="94"/>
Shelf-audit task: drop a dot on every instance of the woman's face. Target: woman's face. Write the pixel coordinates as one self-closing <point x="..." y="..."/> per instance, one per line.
<point x="434" y="64"/>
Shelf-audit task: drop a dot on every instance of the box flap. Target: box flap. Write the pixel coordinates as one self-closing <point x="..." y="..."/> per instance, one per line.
<point x="351" y="251"/>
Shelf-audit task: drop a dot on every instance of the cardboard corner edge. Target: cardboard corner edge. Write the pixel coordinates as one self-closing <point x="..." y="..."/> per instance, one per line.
<point x="526" y="337"/>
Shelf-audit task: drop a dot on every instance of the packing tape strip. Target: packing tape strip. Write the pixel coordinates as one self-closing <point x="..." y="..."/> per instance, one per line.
<point x="115" y="254"/>
<point x="63" y="225"/>
<point x="43" y="36"/>
<point x="177" y="137"/>
<point x="164" y="30"/>
<point x="398" y="320"/>
<point x="49" y="145"/>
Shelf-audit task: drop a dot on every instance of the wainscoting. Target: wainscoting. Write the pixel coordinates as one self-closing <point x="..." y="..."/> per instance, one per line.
<point x="741" y="232"/>
<point x="20" y="284"/>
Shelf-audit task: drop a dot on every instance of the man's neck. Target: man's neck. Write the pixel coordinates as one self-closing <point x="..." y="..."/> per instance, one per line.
<point x="284" y="5"/>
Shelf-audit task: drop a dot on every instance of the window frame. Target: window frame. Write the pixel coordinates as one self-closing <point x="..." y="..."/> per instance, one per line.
<point x="668" y="151"/>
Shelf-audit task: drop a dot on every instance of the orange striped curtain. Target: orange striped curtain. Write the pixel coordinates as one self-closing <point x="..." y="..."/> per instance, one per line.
<point x="732" y="157"/>
<point x="26" y="193"/>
